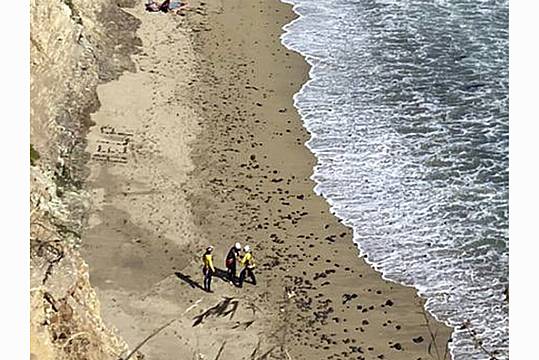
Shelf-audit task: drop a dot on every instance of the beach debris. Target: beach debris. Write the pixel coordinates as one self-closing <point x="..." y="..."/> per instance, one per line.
<point x="245" y="324"/>
<point x="227" y="306"/>
<point x="192" y="306"/>
<point x="290" y="294"/>
<point x="255" y="351"/>
<point x="478" y="342"/>
<point x="253" y="307"/>
<point x="348" y="297"/>
<point x="155" y="332"/>
<point x="220" y="350"/>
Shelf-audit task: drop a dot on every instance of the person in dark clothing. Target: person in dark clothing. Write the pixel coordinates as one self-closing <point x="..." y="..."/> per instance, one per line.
<point x="166" y="6"/>
<point x="230" y="262"/>
<point x="248" y="264"/>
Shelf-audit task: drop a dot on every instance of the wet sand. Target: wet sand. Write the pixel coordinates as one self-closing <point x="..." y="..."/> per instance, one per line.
<point x="200" y="146"/>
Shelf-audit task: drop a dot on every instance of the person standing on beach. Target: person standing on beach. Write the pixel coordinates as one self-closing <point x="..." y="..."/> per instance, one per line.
<point x="230" y="262"/>
<point x="248" y="264"/>
<point x="208" y="268"/>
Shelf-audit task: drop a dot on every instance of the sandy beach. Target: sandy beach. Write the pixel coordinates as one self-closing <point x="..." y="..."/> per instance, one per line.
<point x="202" y="145"/>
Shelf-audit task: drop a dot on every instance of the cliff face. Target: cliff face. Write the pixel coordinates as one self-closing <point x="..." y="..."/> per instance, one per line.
<point x="74" y="46"/>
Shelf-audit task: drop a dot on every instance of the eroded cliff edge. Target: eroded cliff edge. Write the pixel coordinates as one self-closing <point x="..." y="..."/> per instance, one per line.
<point x="74" y="45"/>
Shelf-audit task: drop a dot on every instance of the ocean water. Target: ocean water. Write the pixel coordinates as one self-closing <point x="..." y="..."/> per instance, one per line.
<point x="407" y="107"/>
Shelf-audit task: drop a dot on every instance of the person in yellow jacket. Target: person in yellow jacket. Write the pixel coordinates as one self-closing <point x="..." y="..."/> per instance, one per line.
<point x="248" y="264"/>
<point x="208" y="268"/>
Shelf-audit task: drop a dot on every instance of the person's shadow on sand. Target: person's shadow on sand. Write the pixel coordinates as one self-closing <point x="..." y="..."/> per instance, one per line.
<point x="223" y="275"/>
<point x="188" y="280"/>
<point x="219" y="273"/>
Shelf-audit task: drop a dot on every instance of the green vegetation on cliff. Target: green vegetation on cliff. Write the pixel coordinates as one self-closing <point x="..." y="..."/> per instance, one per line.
<point x="34" y="155"/>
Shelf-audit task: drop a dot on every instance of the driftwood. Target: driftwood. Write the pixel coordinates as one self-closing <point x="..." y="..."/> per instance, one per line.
<point x="478" y="343"/>
<point x="219" y="309"/>
<point x="155" y="332"/>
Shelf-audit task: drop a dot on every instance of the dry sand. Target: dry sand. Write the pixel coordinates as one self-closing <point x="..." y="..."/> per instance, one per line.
<point x="201" y="145"/>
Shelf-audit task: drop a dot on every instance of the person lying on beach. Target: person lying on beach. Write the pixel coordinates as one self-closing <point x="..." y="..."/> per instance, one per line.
<point x="166" y="6"/>
<point x="151" y="6"/>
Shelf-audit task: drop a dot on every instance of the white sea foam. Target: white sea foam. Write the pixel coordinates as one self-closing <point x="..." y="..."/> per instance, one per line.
<point x="408" y="110"/>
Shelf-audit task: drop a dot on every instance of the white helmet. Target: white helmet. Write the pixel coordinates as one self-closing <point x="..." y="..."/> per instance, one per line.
<point x="247" y="248"/>
<point x="237" y="246"/>
<point x="209" y="248"/>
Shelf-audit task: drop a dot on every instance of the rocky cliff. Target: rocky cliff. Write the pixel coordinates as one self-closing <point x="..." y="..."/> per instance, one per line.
<point x="75" y="45"/>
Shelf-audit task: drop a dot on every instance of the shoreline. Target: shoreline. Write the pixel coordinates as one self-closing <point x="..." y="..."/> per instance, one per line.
<point x="365" y="256"/>
<point x="216" y="155"/>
